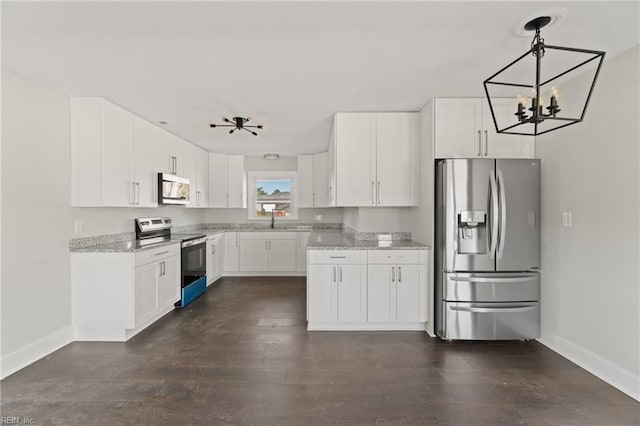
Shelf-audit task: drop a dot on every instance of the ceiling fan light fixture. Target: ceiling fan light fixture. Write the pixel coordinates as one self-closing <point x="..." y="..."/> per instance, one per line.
<point x="238" y="123"/>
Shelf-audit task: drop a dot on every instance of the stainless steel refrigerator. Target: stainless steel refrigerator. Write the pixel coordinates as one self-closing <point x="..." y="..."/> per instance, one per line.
<point x="487" y="249"/>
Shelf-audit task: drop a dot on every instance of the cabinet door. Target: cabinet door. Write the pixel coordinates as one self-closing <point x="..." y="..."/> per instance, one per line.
<point x="458" y="123"/>
<point x="143" y="172"/>
<point x="86" y="152"/>
<point x="202" y="178"/>
<point x="237" y="182"/>
<point x="381" y="293"/>
<point x="411" y="294"/>
<point x="211" y="259"/>
<point x="331" y="166"/>
<point x="396" y="155"/>
<point x="220" y="254"/>
<point x="355" y="154"/>
<point x="169" y="282"/>
<point x="231" y="252"/>
<point x="501" y="145"/>
<point x="322" y="294"/>
<point x="146" y="291"/>
<point x="352" y="300"/>
<point x="282" y="255"/>
<point x="301" y="255"/>
<point x="320" y="180"/>
<point x="254" y="255"/>
<point x="305" y="181"/>
<point x="177" y="148"/>
<point x="189" y="162"/>
<point x="117" y="189"/>
<point x="164" y="162"/>
<point x="218" y="180"/>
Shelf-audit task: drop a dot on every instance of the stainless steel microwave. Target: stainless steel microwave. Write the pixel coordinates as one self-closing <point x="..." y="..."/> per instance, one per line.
<point x="172" y="189"/>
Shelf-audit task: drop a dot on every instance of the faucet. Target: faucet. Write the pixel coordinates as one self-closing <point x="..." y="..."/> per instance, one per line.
<point x="273" y="221"/>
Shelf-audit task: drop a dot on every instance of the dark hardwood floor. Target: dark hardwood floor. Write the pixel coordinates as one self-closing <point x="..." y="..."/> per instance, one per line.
<point x="240" y="354"/>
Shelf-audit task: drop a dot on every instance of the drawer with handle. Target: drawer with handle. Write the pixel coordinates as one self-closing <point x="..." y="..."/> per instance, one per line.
<point x="152" y="255"/>
<point x="337" y="256"/>
<point x="397" y="257"/>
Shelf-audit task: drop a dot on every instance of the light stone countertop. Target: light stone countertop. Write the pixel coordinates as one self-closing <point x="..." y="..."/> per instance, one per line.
<point x="130" y="246"/>
<point x="321" y="240"/>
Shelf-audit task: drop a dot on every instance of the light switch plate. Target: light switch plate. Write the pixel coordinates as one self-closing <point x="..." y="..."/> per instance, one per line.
<point x="77" y="227"/>
<point x="567" y="220"/>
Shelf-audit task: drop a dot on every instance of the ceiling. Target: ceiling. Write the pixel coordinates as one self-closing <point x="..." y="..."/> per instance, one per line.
<point x="288" y="65"/>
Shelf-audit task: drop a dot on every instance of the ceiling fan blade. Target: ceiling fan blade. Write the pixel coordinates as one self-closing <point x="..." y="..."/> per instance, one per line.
<point x="226" y="120"/>
<point x="232" y="130"/>
<point x="212" y="125"/>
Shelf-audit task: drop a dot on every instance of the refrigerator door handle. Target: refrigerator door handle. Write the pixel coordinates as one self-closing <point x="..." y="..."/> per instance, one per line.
<point x="494" y="214"/>
<point x="494" y="310"/>
<point x="503" y="214"/>
<point x="494" y="280"/>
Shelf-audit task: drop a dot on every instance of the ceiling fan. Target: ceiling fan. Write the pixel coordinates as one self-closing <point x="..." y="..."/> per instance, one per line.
<point x="238" y="123"/>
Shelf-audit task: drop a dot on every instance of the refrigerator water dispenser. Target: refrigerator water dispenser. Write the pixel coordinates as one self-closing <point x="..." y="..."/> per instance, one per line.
<point x="472" y="232"/>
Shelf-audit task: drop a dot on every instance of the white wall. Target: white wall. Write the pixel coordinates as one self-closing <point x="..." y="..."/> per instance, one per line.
<point x="590" y="271"/>
<point x="37" y="222"/>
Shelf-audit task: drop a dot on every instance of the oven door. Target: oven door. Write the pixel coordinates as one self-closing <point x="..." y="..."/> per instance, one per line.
<point x="194" y="263"/>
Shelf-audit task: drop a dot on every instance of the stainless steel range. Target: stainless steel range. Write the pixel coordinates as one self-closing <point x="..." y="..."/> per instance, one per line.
<point x="156" y="230"/>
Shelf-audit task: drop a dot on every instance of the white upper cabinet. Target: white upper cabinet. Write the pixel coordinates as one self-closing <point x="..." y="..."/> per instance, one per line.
<point x="112" y="161"/>
<point x="237" y="182"/>
<point x="464" y="128"/>
<point x="170" y="153"/>
<point x="144" y="175"/>
<point x="305" y="180"/>
<point x="116" y="185"/>
<point x="218" y="180"/>
<point x="375" y="159"/>
<point x="227" y="181"/>
<point x="196" y="169"/>
<point x="396" y="154"/>
<point x="320" y="180"/>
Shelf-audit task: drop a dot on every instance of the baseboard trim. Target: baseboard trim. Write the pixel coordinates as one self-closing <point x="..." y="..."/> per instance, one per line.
<point x="265" y="274"/>
<point x="34" y="351"/>
<point x="366" y="326"/>
<point x="620" y="378"/>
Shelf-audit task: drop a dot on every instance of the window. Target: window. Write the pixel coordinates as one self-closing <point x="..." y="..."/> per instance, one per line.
<point x="272" y="193"/>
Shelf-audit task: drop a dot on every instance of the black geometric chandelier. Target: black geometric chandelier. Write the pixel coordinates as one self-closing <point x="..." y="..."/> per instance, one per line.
<point x="534" y="86"/>
<point x="238" y="123"/>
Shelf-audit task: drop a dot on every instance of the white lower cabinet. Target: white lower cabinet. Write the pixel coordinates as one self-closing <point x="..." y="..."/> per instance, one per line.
<point x="268" y="251"/>
<point x="215" y="257"/>
<point x="301" y="254"/>
<point x="231" y="252"/>
<point x="367" y="290"/>
<point x="117" y="295"/>
<point x="336" y="288"/>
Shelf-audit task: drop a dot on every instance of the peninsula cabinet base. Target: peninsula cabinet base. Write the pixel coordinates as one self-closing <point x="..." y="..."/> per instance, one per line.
<point x="366" y="326"/>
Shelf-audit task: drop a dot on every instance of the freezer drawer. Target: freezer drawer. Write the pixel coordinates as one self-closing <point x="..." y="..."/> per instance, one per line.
<point x="491" y="321"/>
<point x="491" y="287"/>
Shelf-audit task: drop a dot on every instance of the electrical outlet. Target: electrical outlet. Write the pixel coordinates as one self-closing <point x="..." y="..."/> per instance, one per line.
<point x="317" y="217"/>
<point x="567" y="219"/>
<point x="77" y="227"/>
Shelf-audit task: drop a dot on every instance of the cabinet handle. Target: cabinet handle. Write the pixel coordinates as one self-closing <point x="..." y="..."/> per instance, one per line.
<point x="337" y="257"/>
<point x="399" y="274"/>
<point x="227" y="199"/>
<point x="378" y="197"/>
<point x="138" y="187"/>
<point x="313" y="202"/>
<point x="486" y="143"/>
<point x="340" y="271"/>
<point x="479" y="143"/>
<point x="162" y="252"/>
<point x="133" y="185"/>
<point x="334" y="274"/>
<point x="373" y="190"/>
<point x="269" y="244"/>
<point x="393" y="274"/>
<point x="160" y="272"/>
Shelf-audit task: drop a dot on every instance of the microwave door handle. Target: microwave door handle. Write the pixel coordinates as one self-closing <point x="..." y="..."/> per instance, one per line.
<point x="494" y="214"/>
<point x="503" y="214"/>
